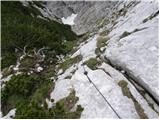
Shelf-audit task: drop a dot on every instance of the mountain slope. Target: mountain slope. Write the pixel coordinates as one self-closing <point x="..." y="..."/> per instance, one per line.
<point x="111" y="72"/>
<point x="121" y="43"/>
<point x="31" y="46"/>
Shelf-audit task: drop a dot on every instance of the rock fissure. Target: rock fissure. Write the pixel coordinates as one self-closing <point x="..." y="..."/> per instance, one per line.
<point x="131" y="81"/>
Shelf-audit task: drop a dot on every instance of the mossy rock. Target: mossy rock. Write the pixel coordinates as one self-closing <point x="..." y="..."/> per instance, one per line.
<point x="104" y="33"/>
<point x="126" y="92"/>
<point x="64" y="106"/>
<point x="69" y="101"/>
<point x="69" y="62"/>
<point x="92" y="63"/>
<point x="101" y="42"/>
<point x="102" y="22"/>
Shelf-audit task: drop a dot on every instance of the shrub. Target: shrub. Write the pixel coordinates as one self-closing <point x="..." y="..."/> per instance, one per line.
<point x="42" y="92"/>
<point x="59" y="111"/>
<point x="6" y="72"/>
<point x="21" y="88"/>
<point x="69" y="62"/>
<point x="19" y="28"/>
<point x="9" y="59"/>
<point x="101" y="42"/>
<point x="32" y="111"/>
<point x="28" y="62"/>
<point x="20" y="84"/>
<point x="68" y="46"/>
<point x="63" y="107"/>
<point x="49" y="72"/>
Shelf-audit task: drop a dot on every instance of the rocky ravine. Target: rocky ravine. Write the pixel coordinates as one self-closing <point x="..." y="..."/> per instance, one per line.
<point x="120" y="54"/>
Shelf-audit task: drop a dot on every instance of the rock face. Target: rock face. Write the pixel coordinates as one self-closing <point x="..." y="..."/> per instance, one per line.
<point x="88" y="12"/>
<point x="66" y="8"/>
<point x="132" y="29"/>
<point x="134" y="46"/>
<point x="125" y="100"/>
<point x="89" y="16"/>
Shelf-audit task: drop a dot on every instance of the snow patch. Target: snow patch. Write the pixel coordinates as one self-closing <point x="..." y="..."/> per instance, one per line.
<point x="69" y="20"/>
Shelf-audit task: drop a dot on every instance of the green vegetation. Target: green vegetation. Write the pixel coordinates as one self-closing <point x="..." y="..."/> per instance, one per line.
<point x="42" y="92"/>
<point x="145" y="20"/>
<point x="136" y="30"/>
<point x="101" y="42"/>
<point x="69" y="101"/>
<point x="69" y="62"/>
<point x="65" y="105"/>
<point x="21" y="88"/>
<point x="104" y="33"/>
<point x="39" y="4"/>
<point x="123" y="11"/>
<point x="128" y="33"/>
<point x="28" y="62"/>
<point x="19" y="29"/>
<point x="8" y="59"/>
<point x="150" y="17"/>
<point x="60" y="111"/>
<point x="68" y="77"/>
<point x="125" y="34"/>
<point x="32" y="111"/>
<point x="7" y="71"/>
<point x="126" y="92"/>
<point x="92" y="63"/>
<point x="114" y="23"/>
<point x="84" y="37"/>
<point x="49" y="72"/>
<point x="69" y="45"/>
<point x="102" y="22"/>
<point x="27" y="93"/>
